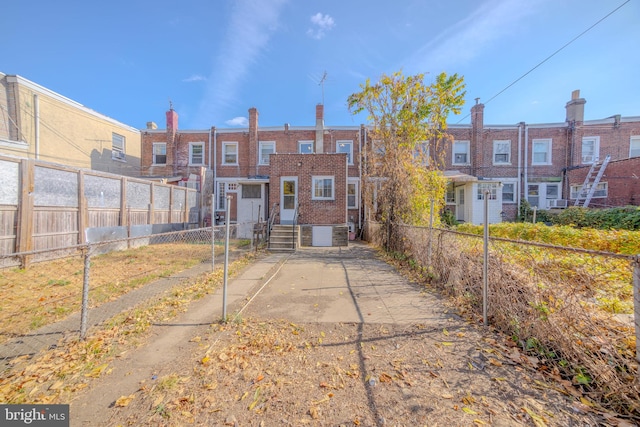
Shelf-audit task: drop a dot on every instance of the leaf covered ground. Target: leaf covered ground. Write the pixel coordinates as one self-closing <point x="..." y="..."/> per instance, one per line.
<point x="273" y="372"/>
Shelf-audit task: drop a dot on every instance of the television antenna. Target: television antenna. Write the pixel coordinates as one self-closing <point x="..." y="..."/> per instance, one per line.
<point x="321" y="81"/>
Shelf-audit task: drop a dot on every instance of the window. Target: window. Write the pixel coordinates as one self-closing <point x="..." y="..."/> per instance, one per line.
<point x="322" y="188"/>
<point x="502" y="152"/>
<point x="421" y="153"/>
<point x="541" y="152"/>
<point x="508" y="192"/>
<point x="590" y="149"/>
<point x="461" y="152"/>
<point x="305" y="147"/>
<point x="251" y="191"/>
<point x="345" y="147"/>
<point x="196" y="153"/>
<point x="492" y="188"/>
<point x="634" y="146"/>
<point x="229" y="153"/>
<point x="533" y="195"/>
<point x="352" y="194"/>
<point x="117" y="147"/>
<point x="266" y="149"/>
<point x="159" y="153"/>
<point x="552" y="191"/>
<point x="451" y="193"/>
<point x="222" y="196"/>
<point x="601" y="191"/>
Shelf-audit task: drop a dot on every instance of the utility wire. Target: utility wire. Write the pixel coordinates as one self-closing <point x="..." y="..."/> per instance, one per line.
<point x="551" y="56"/>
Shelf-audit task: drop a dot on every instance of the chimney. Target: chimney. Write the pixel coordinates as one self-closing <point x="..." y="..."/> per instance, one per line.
<point x="253" y="137"/>
<point x="172" y="120"/>
<point x="152" y="125"/>
<point x="477" y="126"/>
<point x="319" y="129"/>
<point x="575" y="107"/>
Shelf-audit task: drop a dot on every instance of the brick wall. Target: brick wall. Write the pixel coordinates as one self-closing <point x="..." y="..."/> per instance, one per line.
<point x="623" y="179"/>
<point x="305" y="166"/>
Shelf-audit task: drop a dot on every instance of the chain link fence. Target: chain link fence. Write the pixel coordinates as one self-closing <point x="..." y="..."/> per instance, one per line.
<point x="569" y="312"/>
<point x="80" y="287"/>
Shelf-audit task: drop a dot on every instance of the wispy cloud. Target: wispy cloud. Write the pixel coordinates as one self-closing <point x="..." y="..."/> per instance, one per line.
<point x="238" y="121"/>
<point x="320" y="24"/>
<point x="194" y="78"/>
<point x="249" y="28"/>
<point x="469" y="38"/>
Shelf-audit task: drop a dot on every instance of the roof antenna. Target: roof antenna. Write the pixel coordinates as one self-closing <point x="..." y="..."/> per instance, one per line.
<point x="321" y="83"/>
<point x="170" y="104"/>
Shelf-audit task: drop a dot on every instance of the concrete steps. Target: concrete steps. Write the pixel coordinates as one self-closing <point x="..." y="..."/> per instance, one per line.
<point x="283" y="238"/>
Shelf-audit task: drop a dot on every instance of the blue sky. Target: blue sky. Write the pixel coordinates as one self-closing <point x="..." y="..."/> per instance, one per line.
<point x="214" y="59"/>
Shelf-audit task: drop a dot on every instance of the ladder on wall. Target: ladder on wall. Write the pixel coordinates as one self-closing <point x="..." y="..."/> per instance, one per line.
<point x="591" y="182"/>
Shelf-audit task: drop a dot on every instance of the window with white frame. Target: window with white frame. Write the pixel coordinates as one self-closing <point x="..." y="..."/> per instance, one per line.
<point x="491" y="188"/>
<point x="305" y="147"/>
<point x="196" y="153"/>
<point x="460" y="153"/>
<point x="222" y="195"/>
<point x="251" y="191"/>
<point x="541" y="152"/>
<point x="553" y="191"/>
<point x="421" y="153"/>
<point x="323" y="187"/>
<point x="590" y="149"/>
<point x="229" y="153"/>
<point x="508" y="192"/>
<point x="345" y="147"/>
<point x="450" y="196"/>
<point x="502" y="152"/>
<point x="267" y="148"/>
<point x="533" y="195"/>
<point x="634" y="146"/>
<point x="352" y="194"/>
<point x="601" y="191"/>
<point x="117" y="147"/>
<point x="159" y="153"/>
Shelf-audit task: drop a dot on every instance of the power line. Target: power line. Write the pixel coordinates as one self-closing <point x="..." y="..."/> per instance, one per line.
<point x="551" y="56"/>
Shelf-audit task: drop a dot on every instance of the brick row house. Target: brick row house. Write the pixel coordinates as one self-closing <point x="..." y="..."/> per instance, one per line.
<point x="308" y="175"/>
<point x="312" y="175"/>
<point x="551" y="165"/>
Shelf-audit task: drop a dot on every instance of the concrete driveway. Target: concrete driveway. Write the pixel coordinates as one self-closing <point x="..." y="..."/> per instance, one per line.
<point x="344" y="284"/>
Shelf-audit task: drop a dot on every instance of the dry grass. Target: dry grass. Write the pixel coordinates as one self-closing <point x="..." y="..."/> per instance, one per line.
<point x="559" y="307"/>
<point x="49" y="291"/>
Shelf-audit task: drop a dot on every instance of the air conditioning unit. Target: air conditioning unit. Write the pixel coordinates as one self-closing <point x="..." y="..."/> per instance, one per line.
<point x="117" y="154"/>
<point x="557" y="203"/>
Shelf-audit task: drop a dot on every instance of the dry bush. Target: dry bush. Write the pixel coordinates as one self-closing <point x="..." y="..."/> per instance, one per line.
<point x="558" y="305"/>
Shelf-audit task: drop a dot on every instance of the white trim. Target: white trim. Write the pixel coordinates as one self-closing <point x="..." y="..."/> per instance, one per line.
<point x="191" y="145"/>
<point x="305" y="141"/>
<point x="224" y="153"/>
<point x="313" y="187"/>
<point x="261" y="145"/>
<point x="467" y="152"/>
<point x="636" y="139"/>
<point x="153" y="153"/>
<point x="596" y="150"/>
<point x="17" y="145"/>
<point x="356" y="182"/>
<point x="549" y="150"/>
<point x="497" y="142"/>
<point x="350" y="156"/>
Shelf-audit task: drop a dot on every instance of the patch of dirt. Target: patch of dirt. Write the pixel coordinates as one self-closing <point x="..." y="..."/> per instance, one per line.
<point x="272" y="372"/>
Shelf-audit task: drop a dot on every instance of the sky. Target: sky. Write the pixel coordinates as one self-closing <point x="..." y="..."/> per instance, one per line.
<point x="212" y="60"/>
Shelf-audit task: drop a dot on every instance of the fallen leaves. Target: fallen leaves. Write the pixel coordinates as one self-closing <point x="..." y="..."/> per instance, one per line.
<point x="124" y="401"/>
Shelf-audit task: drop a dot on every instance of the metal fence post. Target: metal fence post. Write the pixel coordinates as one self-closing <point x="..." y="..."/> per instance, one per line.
<point x="226" y="260"/>
<point x="85" y="292"/>
<point x="485" y="264"/>
<point x="430" y="234"/>
<point x="636" y="306"/>
<point x="213" y="235"/>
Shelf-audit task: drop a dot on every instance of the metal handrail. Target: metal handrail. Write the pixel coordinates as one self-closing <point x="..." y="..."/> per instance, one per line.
<point x="294" y="223"/>
<point x="272" y="218"/>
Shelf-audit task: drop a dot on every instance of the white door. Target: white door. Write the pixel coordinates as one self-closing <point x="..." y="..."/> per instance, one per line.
<point x="288" y="198"/>
<point x="460" y="205"/>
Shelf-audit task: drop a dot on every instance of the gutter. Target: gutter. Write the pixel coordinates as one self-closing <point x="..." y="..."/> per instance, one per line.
<point x="526" y="161"/>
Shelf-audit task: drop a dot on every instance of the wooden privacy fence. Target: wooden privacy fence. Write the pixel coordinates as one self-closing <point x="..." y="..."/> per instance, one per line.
<point x="46" y="206"/>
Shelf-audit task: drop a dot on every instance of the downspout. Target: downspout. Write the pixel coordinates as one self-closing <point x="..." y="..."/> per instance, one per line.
<point x="215" y="172"/>
<point x="36" y="108"/>
<point x="519" y="191"/>
<point x="526" y="161"/>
